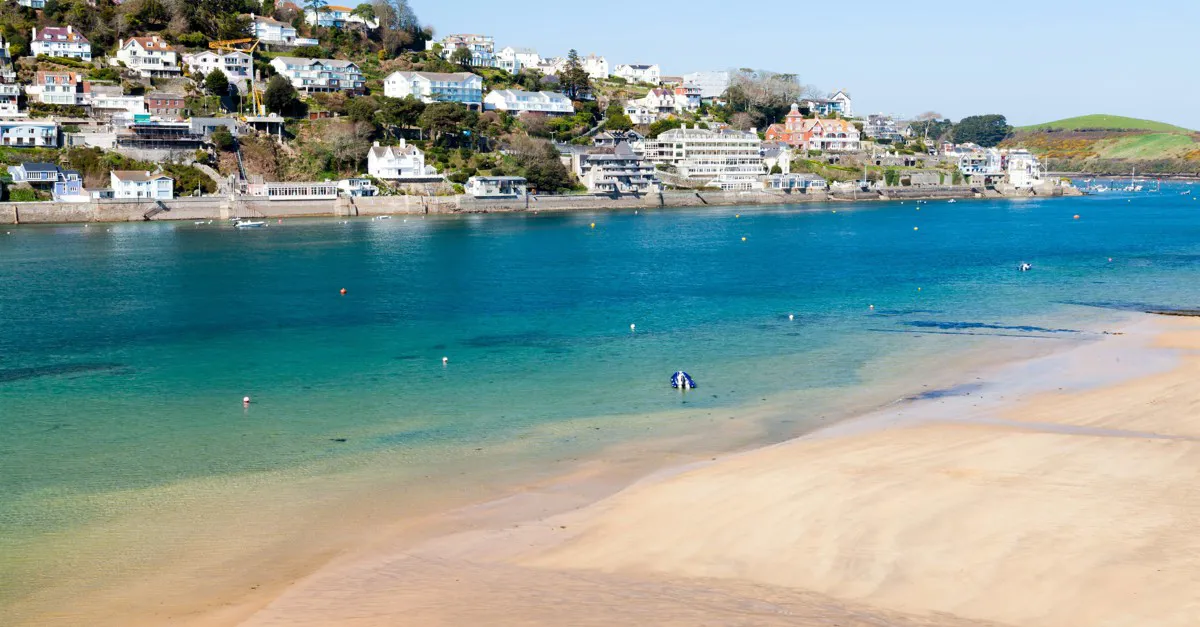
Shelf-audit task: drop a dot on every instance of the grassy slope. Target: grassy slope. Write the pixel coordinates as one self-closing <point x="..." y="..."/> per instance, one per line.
<point x="1107" y="122"/>
<point x="1152" y="146"/>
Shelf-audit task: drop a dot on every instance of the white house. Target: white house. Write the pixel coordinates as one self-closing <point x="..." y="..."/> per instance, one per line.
<point x="496" y="186"/>
<point x="10" y="98"/>
<point x="7" y="73"/>
<point x="1024" y="169"/>
<point x="665" y="101"/>
<point x="319" y="75"/>
<point x="711" y="84"/>
<point x="150" y="57"/>
<point x="461" y="87"/>
<point x="398" y="163"/>
<point x="638" y="73"/>
<point x="514" y="59"/>
<point x="596" y="66"/>
<point x="60" y="41"/>
<point x="845" y="105"/>
<point x="32" y="4"/>
<point x="481" y="47"/>
<point x="277" y="33"/>
<point x="728" y="159"/>
<point x="29" y="133"/>
<point x="552" y="65"/>
<point x="333" y="16"/>
<point x="514" y="101"/>
<point x="236" y="66"/>
<point x="640" y="115"/>
<point x="142" y="184"/>
<point x="111" y="100"/>
<point x="58" y="88"/>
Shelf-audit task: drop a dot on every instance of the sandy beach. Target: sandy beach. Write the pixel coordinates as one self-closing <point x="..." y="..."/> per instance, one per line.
<point x="1059" y="492"/>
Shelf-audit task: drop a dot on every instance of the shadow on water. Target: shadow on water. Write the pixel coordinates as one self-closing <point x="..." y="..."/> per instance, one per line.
<point x="958" y="326"/>
<point x="966" y="389"/>
<point x="34" y="372"/>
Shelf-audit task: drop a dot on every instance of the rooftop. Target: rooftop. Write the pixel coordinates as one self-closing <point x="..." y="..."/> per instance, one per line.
<point x="137" y="176"/>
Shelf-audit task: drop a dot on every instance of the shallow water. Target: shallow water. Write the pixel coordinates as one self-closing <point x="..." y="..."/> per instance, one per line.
<point x="127" y="348"/>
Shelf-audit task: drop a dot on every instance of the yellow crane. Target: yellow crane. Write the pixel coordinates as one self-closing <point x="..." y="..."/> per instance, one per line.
<point x="257" y="105"/>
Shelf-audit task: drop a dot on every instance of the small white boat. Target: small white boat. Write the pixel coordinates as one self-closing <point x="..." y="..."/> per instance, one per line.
<point x="382" y="218"/>
<point x="250" y="224"/>
<point x="199" y="222"/>
<point x="953" y="200"/>
<point x="1025" y="267"/>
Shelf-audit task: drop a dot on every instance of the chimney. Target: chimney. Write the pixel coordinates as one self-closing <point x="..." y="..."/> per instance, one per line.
<point x="403" y="143"/>
<point x="376" y="144"/>
<point x="70" y="29"/>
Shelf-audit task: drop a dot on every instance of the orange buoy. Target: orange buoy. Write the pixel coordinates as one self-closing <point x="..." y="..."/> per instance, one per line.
<point x="343" y="291"/>
<point x="1077" y="216"/>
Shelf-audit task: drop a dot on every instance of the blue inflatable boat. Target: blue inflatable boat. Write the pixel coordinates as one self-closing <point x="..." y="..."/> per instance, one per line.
<point x="682" y="381"/>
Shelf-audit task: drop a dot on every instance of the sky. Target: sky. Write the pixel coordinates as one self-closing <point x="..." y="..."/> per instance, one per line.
<point x="1030" y="61"/>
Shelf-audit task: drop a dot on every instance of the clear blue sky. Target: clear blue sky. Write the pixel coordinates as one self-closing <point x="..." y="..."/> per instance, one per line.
<point x="1034" y="61"/>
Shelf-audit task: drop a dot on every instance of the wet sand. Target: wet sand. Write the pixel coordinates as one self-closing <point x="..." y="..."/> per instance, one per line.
<point x="1060" y="491"/>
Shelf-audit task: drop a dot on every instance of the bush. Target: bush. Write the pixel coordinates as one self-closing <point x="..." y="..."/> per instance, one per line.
<point x="22" y="194"/>
<point x="459" y="189"/>
<point x="222" y="139"/>
<point x="458" y="176"/>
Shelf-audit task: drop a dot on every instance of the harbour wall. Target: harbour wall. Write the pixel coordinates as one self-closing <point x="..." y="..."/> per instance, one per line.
<point x="221" y="208"/>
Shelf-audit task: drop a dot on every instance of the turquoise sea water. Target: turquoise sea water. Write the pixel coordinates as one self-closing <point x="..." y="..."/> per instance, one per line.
<point x="126" y="349"/>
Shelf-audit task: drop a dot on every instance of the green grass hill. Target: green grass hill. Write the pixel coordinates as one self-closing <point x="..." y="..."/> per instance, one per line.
<point x="1103" y="122"/>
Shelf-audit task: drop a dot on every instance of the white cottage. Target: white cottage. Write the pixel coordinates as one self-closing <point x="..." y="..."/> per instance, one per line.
<point x="398" y="163"/>
<point x="142" y="184"/>
<point x="150" y="57"/>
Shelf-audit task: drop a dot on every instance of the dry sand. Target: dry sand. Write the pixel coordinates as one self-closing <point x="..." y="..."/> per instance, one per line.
<point x="1012" y="503"/>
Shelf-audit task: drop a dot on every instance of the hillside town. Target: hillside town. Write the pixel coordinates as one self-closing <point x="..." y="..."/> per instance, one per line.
<point x="288" y="102"/>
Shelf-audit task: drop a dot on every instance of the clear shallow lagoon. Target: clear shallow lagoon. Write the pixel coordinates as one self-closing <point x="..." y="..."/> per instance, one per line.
<point x="126" y="348"/>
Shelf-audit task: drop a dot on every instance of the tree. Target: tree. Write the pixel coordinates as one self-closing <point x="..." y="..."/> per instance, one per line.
<point x="574" y="79"/>
<point x="365" y="11"/>
<point x="399" y="28"/>
<point x="314" y="6"/>
<point x="222" y="138"/>
<point x="440" y="119"/>
<point x="461" y="56"/>
<point x="539" y="163"/>
<point x="216" y="83"/>
<point x="658" y="127"/>
<point x="280" y="96"/>
<point x="775" y="169"/>
<point x="618" y="122"/>
<point x="764" y="95"/>
<point x="985" y="130"/>
<point x="362" y="109"/>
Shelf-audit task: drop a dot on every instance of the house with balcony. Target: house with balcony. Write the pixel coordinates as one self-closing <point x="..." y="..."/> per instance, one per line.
<point x="142" y="185"/>
<point x="665" y="101"/>
<point x="461" y="87"/>
<point x="60" y="41"/>
<point x="801" y="182"/>
<point x="165" y="104"/>
<point x="23" y="133"/>
<point x="638" y="72"/>
<point x="1023" y="169"/>
<point x="513" y="60"/>
<point x="496" y="186"/>
<point x="640" y="115"/>
<point x="334" y="16"/>
<point x="357" y="187"/>
<point x="236" y="66"/>
<point x="880" y="127"/>
<point x="275" y="33"/>
<point x="110" y="100"/>
<point x="596" y="66"/>
<point x="64" y="185"/>
<point x="831" y="135"/>
<point x="712" y="85"/>
<point x="481" y="47"/>
<point x="149" y="57"/>
<point x="621" y="171"/>
<point x="10" y="91"/>
<point x="610" y="139"/>
<point x="59" y="88"/>
<point x="724" y="158"/>
<point x="399" y="163"/>
<point x="516" y="102"/>
<point x="320" y="75"/>
<point x="839" y="104"/>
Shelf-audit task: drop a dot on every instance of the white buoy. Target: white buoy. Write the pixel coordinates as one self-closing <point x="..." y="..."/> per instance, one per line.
<point x="245" y="400"/>
<point x="445" y="360"/>
<point x="791" y="317"/>
<point x="632" y="327"/>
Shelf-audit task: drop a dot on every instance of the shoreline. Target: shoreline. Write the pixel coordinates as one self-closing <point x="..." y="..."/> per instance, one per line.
<point x="573" y="481"/>
<point x="223" y="208"/>
<point x="644" y="536"/>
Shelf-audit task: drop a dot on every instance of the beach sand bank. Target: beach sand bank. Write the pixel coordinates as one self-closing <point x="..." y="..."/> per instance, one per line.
<point x="1059" y="492"/>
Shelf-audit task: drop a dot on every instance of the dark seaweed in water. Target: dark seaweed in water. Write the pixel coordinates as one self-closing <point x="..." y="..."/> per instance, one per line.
<point x="956" y="390"/>
<point x="33" y="372"/>
<point x="933" y="324"/>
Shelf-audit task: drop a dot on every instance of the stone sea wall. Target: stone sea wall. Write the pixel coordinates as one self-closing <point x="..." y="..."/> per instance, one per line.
<point x="220" y="208"/>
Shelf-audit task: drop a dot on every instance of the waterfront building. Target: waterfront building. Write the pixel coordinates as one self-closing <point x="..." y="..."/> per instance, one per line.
<point x="274" y="32"/>
<point x="723" y="158"/>
<point x="142" y="184"/>
<point x="150" y="57"/>
<point x="638" y="72"/>
<point x="795" y="183"/>
<point x="320" y="75"/>
<point x="981" y="161"/>
<point x="281" y="190"/>
<point x="481" y="47"/>
<point x="64" y="185"/>
<point x="23" y="133"/>
<point x="462" y="87"/>
<point x="60" y="41"/>
<point x="516" y="101"/>
<point x="59" y="88"/>
<point x="165" y="104"/>
<point x="235" y="65"/>
<point x="357" y="187"/>
<point x="496" y="186"/>
<point x="711" y="84"/>
<point x="833" y="135"/>
<point x="513" y="59"/>
<point x="621" y="171"/>
<point x="398" y="163"/>
<point x="333" y="16"/>
<point x="1023" y="169"/>
<point x="778" y="154"/>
